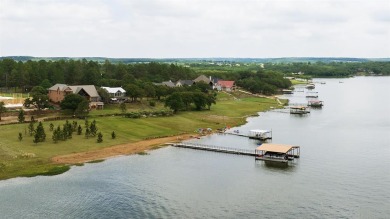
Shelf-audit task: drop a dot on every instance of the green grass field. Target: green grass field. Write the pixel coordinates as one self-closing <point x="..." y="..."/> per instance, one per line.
<point x="25" y="158"/>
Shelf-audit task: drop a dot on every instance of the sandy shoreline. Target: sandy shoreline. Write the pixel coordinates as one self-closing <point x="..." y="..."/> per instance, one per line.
<point x="116" y="150"/>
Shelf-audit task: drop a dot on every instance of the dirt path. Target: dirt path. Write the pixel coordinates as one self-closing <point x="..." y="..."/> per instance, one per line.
<point x="123" y="149"/>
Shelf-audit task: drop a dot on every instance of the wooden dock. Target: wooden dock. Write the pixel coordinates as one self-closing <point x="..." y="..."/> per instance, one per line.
<point x="204" y="147"/>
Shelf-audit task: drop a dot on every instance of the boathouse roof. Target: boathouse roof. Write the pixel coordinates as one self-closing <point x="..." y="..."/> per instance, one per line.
<point x="278" y="148"/>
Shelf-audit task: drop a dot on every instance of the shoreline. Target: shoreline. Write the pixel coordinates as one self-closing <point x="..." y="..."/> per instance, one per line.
<point x="118" y="150"/>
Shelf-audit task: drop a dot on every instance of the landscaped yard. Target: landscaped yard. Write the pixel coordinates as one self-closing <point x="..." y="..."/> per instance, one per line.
<point x="25" y="158"/>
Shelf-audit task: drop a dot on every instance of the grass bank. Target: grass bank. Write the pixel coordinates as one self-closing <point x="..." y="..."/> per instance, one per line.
<point x="25" y="158"/>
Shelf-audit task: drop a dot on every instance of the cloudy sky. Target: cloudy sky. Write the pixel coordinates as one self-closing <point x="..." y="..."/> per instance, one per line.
<point x="195" y="28"/>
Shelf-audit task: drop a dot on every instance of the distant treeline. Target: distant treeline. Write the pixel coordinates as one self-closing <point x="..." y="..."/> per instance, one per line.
<point x="264" y="78"/>
<point x="33" y="73"/>
<point x="202" y="60"/>
<point x="333" y="69"/>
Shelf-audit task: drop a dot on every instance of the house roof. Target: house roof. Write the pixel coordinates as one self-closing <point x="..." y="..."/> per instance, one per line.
<point x="58" y="86"/>
<point x="168" y="83"/>
<point x="202" y="78"/>
<point x="89" y="89"/>
<point x="185" y="82"/>
<point x="226" y="84"/>
<point x="113" y="90"/>
<point x="278" y="148"/>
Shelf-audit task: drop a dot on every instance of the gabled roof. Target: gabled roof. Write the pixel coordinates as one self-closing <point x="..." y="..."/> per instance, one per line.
<point x="202" y="78"/>
<point x="278" y="148"/>
<point x="226" y="84"/>
<point x="58" y="86"/>
<point x="89" y="89"/>
<point x="185" y="82"/>
<point x="168" y="83"/>
<point x="113" y="90"/>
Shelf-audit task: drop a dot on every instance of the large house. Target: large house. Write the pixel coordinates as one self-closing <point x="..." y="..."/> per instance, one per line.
<point x="225" y="85"/>
<point x="166" y="83"/>
<point x="58" y="92"/>
<point x="181" y="83"/>
<point x="207" y="80"/>
<point x="117" y="94"/>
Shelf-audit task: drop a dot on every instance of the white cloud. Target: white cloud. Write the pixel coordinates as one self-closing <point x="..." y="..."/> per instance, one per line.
<point x="195" y="28"/>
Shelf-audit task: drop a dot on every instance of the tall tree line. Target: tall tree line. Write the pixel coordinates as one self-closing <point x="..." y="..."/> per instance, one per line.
<point x="32" y="73"/>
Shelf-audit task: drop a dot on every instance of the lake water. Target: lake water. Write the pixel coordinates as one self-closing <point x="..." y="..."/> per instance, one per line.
<point x="343" y="172"/>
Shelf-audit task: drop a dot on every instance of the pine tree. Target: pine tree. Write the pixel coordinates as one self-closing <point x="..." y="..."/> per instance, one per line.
<point x="87" y="132"/>
<point x="20" y="137"/>
<point x="36" y="138"/>
<point x="86" y="123"/>
<point x="21" y="117"/>
<point x="51" y="127"/>
<point x="113" y="135"/>
<point x="100" y="138"/>
<point x="74" y="128"/>
<point x="79" y="130"/>
<point x="55" y="136"/>
<point x="31" y="128"/>
<point x="40" y="135"/>
<point x="93" y="128"/>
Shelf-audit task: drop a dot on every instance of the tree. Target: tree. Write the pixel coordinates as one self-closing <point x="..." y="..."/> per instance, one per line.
<point x="174" y="102"/>
<point x="71" y="102"/>
<point x="21" y="116"/>
<point x="104" y="95"/>
<point x="40" y="135"/>
<point x="82" y="109"/>
<point x="57" y="134"/>
<point x="93" y="128"/>
<point x="134" y="91"/>
<point x="149" y="90"/>
<point x="100" y="138"/>
<point x="39" y="98"/>
<point x="200" y="100"/>
<point x="2" y="108"/>
<point x="123" y="107"/>
<point x="46" y="84"/>
<point x="31" y="128"/>
<point x="20" y="137"/>
<point x="161" y="91"/>
<point x="187" y="98"/>
<point x="113" y="135"/>
<point x="87" y="133"/>
<point x="211" y="99"/>
<point x="79" y="130"/>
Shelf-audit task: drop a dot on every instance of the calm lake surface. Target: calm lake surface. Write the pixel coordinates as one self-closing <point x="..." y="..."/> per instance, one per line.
<point x="343" y="172"/>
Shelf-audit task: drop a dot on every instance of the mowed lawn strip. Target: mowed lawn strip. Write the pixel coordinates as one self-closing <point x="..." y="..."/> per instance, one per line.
<point x="25" y="158"/>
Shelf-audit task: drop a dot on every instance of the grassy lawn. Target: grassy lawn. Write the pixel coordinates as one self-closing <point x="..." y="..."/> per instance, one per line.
<point x="25" y="158"/>
<point x="295" y="82"/>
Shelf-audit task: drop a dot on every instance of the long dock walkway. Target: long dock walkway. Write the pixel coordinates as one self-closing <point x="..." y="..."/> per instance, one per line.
<point x="215" y="148"/>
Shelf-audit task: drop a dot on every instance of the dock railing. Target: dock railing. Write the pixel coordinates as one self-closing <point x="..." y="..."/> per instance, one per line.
<point x="216" y="148"/>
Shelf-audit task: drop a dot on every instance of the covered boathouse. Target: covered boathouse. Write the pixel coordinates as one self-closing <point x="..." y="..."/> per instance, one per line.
<point x="277" y="152"/>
